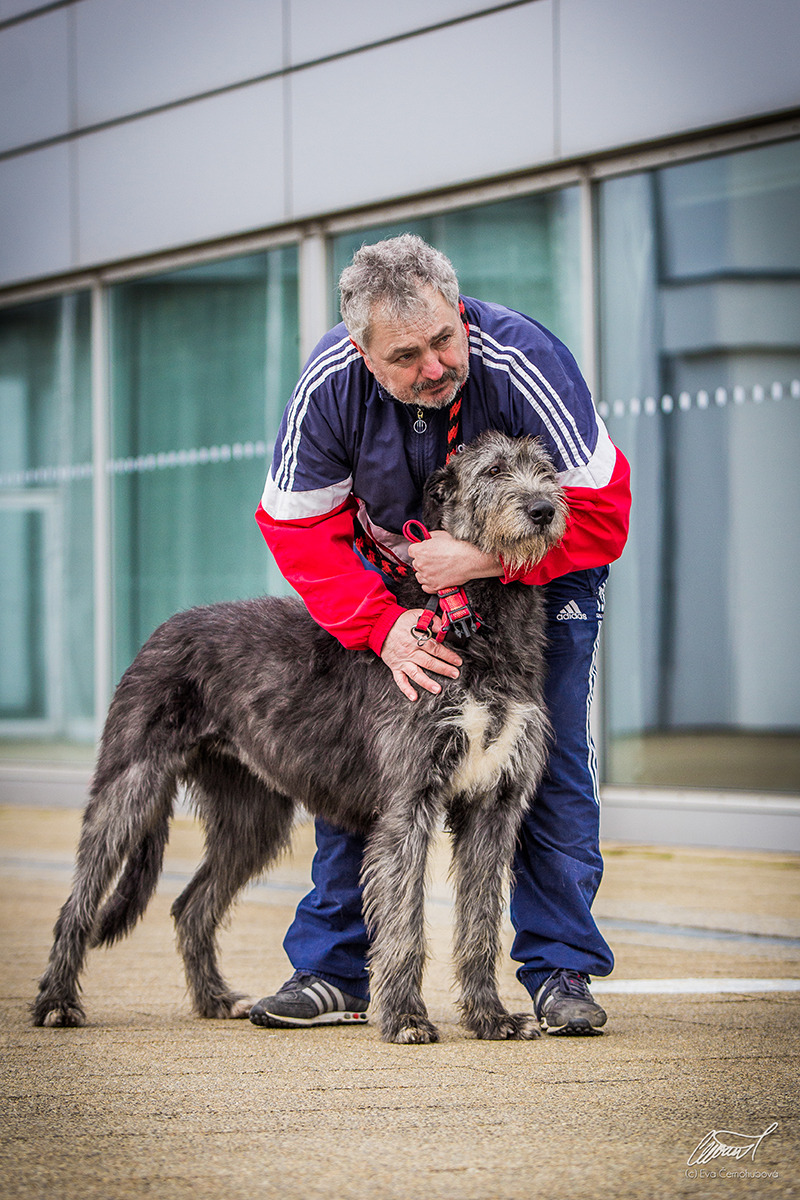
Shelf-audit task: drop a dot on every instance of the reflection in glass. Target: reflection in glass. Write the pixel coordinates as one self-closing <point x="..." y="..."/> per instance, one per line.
<point x="204" y="361"/>
<point x="524" y="253"/>
<point x="700" y="309"/>
<point x="46" y="632"/>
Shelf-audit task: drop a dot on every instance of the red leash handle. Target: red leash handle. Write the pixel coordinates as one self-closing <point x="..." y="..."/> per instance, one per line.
<point x="456" y="612"/>
<point x="415" y="531"/>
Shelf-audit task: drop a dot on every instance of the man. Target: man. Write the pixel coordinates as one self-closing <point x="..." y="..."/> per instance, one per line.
<point x="413" y="370"/>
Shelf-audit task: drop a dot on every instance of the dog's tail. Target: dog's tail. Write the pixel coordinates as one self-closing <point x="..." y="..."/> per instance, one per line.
<point x="135" y="886"/>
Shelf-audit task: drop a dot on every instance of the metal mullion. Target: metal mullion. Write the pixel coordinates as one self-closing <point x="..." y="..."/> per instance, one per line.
<point x="702" y="145"/>
<point x="313" y="290"/>
<point x="588" y="273"/>
<point x="590" y="358"/>
<point x="101" y="503"/>
<point x="465" y="197"/>
<point x="604" y="165"/>
<point x="177" y="260"/>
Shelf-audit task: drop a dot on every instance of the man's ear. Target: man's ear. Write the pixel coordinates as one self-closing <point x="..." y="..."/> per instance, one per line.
<point x="364" y="355"/>
<point x="438" y="489"/>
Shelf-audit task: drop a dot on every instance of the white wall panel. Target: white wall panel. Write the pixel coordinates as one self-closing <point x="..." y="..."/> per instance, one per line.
<point x="199" y="171"/>
<point x="35" y="214"/>
<point x="454" y="105"/>
<point x="637" y="69"/>
<point x="136" y="55"/>
<point x="34" y="81"/>
<point x="320" y="27"/>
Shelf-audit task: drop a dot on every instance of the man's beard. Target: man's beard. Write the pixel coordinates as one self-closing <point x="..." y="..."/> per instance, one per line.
<point x="421" y="391"/>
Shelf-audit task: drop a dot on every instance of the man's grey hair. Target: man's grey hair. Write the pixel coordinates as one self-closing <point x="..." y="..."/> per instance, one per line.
<point x="392" y="274"/>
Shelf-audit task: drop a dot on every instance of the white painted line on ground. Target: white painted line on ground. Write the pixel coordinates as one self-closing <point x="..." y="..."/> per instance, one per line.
<point x="671" y="987"/>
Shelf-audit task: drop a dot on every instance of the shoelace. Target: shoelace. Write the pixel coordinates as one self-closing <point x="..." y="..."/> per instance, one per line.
<point x="573" y="985"/>
<point x="295" y="984"/>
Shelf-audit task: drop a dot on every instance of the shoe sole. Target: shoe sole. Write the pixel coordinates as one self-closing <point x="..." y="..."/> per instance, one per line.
<point x="273" y="1021"/>
<point x="578" y="1027"/>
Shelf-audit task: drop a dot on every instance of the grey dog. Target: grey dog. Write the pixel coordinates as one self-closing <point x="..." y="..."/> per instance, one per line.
<point x="258" y="711"/>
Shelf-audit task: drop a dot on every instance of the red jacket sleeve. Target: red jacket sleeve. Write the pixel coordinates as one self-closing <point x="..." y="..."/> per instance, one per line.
<point x="597" y="529"/>
<point x="316" y="555"/>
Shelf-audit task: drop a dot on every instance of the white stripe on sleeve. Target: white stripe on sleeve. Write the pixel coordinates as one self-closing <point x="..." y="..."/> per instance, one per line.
<point x="600" y="467"/>
<point x="338" y="358"/>
<point x="294" y="506"/>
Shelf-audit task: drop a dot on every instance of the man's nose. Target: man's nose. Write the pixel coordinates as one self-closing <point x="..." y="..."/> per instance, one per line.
<point x="431" y="366"/>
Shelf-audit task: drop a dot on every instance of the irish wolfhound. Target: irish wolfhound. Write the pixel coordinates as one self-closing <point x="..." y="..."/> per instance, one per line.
<point x="258" y="710"/>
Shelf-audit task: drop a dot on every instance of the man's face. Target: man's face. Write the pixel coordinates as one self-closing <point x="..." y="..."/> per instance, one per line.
<point x="421" y="360"/>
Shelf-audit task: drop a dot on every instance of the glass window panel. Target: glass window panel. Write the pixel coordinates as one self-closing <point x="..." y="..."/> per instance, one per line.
<point x="736" y="213"/>
<point x="699" y="380"/>
<point x="46" y="662"/>
<point x="524" y="253"/>
<point x="204" y="361"/>
<point x="23" y="692"/>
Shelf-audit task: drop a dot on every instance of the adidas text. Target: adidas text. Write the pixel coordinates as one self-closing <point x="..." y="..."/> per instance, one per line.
<point x="571" y="612"/>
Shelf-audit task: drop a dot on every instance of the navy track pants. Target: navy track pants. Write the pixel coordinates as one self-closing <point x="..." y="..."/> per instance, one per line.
<point x="557" y="867"/>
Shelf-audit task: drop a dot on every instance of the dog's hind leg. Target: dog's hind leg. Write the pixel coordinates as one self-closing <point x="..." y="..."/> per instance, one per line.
<point x="247" y="826"/>
<point x="484" y="836"/>
<point x="126" y="818"/>
<point x="394" y="901"/>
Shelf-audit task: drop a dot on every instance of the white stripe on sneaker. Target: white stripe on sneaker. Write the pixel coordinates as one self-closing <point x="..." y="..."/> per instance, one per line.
<point x="319" y="1000"/>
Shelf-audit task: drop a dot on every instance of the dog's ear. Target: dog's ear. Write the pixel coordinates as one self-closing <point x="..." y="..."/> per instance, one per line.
<point x="439" y="486"/>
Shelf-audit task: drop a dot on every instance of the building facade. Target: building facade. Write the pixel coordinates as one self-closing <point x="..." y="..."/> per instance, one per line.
<point x="181" y="182"/>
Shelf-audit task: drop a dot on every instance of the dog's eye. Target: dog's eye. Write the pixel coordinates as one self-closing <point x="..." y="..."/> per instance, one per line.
<point x="494" y="469"/>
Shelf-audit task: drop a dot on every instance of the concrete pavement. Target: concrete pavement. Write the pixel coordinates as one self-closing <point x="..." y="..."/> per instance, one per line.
<point x="147" y="1100"/>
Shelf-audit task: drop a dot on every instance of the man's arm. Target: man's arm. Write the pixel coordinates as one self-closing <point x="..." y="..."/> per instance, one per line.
<point x="406" y="657"/>
<point x="316" y="556"/>
<point x="597" y="527"/>
<point x="442" y="562"/>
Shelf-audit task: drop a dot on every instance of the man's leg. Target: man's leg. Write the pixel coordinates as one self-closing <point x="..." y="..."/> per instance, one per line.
<point x="328" y="936"/>
<point x="326" y="943"/>
<point x="557" y="867"/>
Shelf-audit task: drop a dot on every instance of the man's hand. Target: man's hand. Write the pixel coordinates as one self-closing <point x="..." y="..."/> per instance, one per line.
<point x="406" y="659"/>
<point x="442" y="562"/>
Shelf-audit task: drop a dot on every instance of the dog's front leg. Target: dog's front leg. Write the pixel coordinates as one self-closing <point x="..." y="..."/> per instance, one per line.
<point x="484" y="835"/>
<point x="394" y="902"/>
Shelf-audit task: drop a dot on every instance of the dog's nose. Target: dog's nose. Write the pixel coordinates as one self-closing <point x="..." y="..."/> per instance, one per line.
<point x="541" y="512"/>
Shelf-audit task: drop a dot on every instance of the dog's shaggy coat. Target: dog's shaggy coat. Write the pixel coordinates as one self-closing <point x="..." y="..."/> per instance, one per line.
<point x="258" y="710"/>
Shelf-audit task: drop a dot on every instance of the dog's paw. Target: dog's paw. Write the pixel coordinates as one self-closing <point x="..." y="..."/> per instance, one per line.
<point x="525" y="1026"/>
<point x="410" y="1029"/>
<point x="232" y="1007"/>
<point x="240" y="1007"/>
<point x="499" y="1027"/>
<point x="60" y="1016"/>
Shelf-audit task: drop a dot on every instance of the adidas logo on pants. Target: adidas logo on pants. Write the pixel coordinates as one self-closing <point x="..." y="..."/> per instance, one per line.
<point x="571" y="612"/>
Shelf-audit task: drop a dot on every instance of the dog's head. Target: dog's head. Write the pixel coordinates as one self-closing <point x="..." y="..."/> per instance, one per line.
<point x="501" y="494"/>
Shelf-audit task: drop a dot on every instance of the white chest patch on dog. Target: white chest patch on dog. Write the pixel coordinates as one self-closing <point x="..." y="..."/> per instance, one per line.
<point x="484" y="761"/>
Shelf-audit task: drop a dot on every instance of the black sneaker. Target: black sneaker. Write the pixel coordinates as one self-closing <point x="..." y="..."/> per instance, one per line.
<point x="564" y="1004"/>
<point x="306" y="1000"/>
